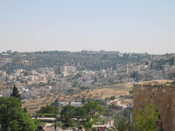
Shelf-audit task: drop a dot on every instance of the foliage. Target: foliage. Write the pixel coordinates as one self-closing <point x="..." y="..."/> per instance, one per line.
<point x="13" y="117"/>
<point x="112" y="98"/>
<point x="49" y="110"/>
<point x="146" y="119"/>
<point x="84" y="116"/>
<point x="67" y="115"/>
<point x="123" y="120"/>
<point x="15" y="93"/>
<point x="121" y="123"/>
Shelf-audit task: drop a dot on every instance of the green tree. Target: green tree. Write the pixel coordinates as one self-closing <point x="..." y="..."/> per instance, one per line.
<point x="84" y="116"/>
<point x="68" y="114"/>
<point x="146" y="118"/>
<point x="121" y="123"/>
<point x="49" y="110"/>
<point x="15" y="92"/>
<point x="93" y="110"/>
<point x="13" y="117"/>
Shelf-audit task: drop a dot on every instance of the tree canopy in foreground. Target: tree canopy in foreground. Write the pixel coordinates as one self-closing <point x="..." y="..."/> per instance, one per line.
<point x="13" y="117"/>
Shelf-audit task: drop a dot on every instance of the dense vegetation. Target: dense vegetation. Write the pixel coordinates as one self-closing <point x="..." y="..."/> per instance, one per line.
<point x="48" y="111"/>
<point x="13" y="117"/>
<point x="84" y="116"/>
<point x="95" y="112"/>
<point x="75" y="117"/>
<point x="147" y="118"/>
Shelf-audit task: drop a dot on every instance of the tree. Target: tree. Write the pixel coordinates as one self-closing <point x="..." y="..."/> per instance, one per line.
<point x="112" y="98"/>
<point x="68" y="114"/>
<point x="93" y="110"/>
<point x="49" y="110"/>
<point x="121" y="123"/>
<point x="84" y="116"/>
<point x="15" y="93"/>
<point x="123" y="120"/>
<point x="13" y="117"/>
<point x="146" y="118"/>
<point x="135" y="75"/>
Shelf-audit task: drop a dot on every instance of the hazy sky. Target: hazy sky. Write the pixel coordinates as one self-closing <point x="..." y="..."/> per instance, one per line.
<point x="121" y="25"/>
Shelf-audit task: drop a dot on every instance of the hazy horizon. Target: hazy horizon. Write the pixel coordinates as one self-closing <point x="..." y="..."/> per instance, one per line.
<point x="95" y="50"/>
<point x="127" y="26"/>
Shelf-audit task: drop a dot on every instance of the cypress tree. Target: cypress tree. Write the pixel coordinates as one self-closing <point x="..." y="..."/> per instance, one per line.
<point x="15" y="93"/>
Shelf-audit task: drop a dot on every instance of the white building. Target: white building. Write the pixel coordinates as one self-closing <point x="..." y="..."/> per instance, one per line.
<point x="69" y="70"/>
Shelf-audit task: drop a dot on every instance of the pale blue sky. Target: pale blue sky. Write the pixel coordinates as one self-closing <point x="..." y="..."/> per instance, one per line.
<point x="121" y="25"/>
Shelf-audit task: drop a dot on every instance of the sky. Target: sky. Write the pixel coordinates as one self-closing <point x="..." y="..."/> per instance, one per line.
<point x="74" y="25"/>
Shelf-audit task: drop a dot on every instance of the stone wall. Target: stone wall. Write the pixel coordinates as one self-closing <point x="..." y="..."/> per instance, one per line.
<point x="163" y="98"/>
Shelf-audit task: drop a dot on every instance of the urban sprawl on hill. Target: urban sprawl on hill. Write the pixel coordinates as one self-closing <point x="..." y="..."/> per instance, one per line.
<point x="87" y="90"/>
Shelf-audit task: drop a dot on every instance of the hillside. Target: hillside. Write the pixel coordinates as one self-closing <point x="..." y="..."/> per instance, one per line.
<point x="34" y="105"/>
<point x="91" y="60"/>
<point x="104" y="92"/>
<point x="108" y="91"/>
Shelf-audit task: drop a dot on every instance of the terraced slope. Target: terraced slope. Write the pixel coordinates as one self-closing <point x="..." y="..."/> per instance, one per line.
<point x="104" y="92"/>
